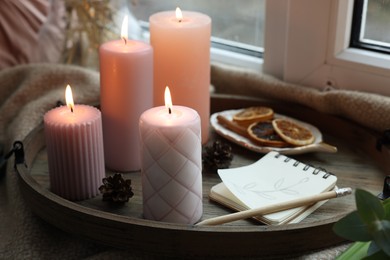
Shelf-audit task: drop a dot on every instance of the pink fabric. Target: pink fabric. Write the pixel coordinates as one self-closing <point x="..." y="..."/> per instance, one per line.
<point x="30" y="31"/>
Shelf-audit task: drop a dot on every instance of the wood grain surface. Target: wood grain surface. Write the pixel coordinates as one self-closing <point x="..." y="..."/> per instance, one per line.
<point x="357" y="164"/>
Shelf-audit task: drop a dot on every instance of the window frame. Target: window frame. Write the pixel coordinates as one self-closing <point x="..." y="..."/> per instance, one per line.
<point x="316" y="35"/>
<point x="236" y="54"/>
<point x="224" y="51"/>
<point x="358" y="24"/>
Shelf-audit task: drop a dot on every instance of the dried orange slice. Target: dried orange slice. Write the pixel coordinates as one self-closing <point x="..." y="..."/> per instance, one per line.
<point x="293" y="132"/>
<point x="253" y="114"/>
<point x="263" y="133"/>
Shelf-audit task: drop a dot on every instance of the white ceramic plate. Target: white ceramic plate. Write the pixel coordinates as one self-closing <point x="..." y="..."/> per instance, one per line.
<point x="318" y="144"/>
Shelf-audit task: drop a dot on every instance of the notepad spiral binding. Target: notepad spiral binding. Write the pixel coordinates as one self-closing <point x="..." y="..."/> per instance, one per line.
<point x="306" y="167"/>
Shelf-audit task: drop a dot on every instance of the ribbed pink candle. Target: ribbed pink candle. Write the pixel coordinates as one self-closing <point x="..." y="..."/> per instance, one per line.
<point x="171" y="164"/>
<point x="74" y="142"/>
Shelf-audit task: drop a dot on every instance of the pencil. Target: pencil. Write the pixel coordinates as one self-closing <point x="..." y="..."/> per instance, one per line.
<point x="276" y="207"/>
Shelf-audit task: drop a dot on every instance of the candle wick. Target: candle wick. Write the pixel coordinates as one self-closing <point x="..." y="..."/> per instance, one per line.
<point x="179" y="20"/>
<point x="169" y="110"/>
<point x="71" y="109"/>
<point x="124" y="38"/>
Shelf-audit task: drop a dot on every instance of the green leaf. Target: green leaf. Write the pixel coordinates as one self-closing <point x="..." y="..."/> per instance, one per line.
<point x="371" y="221"/>
<point x="373" y="249"/>
<point x="380" y="230"/>
<point x="379" y="255"/>
<point x="351" y="227"/>
<point x="369" y="207"/>
<point x="357" y="250"/>
<point x="386" y="206"/>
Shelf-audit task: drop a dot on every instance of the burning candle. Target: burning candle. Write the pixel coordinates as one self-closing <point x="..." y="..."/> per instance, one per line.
<point x="183" y="39"/>
<point x="126" y="90"/>
<point x="74" y="142"/>
<point x="171" y="166"/>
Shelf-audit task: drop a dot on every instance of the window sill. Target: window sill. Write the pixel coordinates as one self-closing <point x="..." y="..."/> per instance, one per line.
<point x="236" y="59"/>
<point x="364" y="60"/>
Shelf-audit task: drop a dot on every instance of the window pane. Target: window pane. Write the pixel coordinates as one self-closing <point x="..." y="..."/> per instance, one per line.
<point x="238" y="21"/>
<point x="375" y="26"/>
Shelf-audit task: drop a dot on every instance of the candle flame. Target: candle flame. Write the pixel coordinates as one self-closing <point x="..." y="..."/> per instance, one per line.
<point x="69" y="98"/>
<point x="168" y="99"/>
<point x="179" y="14"/>
<point x="124" y="30"/>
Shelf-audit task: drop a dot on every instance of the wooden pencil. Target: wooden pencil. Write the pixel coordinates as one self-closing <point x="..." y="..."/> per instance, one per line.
<point x="309" y="200"/>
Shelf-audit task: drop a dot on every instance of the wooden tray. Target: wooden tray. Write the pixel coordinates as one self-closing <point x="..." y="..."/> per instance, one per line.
<point x="355" y="164"/>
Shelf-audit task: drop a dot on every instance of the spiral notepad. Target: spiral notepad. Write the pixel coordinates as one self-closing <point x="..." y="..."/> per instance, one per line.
<point x="272" y="179"/>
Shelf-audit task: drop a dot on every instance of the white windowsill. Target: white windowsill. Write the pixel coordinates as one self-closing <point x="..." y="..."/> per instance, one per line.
<point x="370" y="61"/>
<point x="236" y="59"/>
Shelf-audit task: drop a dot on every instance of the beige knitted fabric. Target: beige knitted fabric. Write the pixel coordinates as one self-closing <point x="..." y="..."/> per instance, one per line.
<point x="28" y="91"/>
<point x="369" y="110"/>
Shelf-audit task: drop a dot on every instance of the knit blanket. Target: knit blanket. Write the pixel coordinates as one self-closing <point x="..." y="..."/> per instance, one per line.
<point x="28" y="91"/>
<point x="368" y="110"/>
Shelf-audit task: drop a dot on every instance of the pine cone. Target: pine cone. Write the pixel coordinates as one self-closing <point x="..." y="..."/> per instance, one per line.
<point x="218" y="156"/>
<point x="116" y="189"/>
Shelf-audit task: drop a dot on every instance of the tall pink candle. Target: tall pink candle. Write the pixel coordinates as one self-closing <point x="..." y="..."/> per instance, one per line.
<point x="182" y="61"/>
<point x="171" y="164"/>
<point x="126" y="90"/>
<point x="74" y="142"/>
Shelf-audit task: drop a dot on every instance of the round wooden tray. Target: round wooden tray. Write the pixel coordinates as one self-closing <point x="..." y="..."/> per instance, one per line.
<point x="355" y="164"/>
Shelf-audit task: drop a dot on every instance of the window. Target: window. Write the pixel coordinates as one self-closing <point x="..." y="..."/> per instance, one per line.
<point x="308" y="42"/>
<point x="237" y="27"/>
<point x="370" y="25"/>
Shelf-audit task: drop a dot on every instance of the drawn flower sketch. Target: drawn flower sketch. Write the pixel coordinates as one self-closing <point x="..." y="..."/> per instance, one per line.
<point x="278" y="187"/>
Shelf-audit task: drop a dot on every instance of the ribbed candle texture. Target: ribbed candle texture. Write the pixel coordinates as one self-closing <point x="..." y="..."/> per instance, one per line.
<point x="74" y="142"/>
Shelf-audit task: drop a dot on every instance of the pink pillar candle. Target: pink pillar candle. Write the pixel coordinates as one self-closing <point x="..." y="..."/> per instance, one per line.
<point x="182" y="61"/>
<point x="126" y="90"/>
<point x="171" y="164"/>
<point x="74" y="142"/>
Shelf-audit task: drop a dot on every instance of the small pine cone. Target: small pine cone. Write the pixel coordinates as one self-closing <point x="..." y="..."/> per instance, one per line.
<point x="116" y="189"/>
<point x="218" y="156"/>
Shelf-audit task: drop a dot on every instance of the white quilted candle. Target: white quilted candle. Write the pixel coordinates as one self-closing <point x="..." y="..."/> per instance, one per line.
<point x="74" y="141"/>
<point x="171" y="166"/>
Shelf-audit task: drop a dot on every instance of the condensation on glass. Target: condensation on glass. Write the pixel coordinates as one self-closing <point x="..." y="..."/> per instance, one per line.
<point x="236" y="21"/>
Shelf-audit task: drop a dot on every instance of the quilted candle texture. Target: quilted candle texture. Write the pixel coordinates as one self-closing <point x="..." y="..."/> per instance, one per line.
<point x="171" y="166"/>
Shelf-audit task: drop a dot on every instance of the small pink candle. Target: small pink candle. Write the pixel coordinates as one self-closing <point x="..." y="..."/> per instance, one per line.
<point x="74" y="142"/>
<point x="126" y="90"/>
<point x="171" y="164"/>
<point x="181" y="47"/>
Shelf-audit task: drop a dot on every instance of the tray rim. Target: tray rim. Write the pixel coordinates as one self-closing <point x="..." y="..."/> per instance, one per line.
<point x="33" y="190"/>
